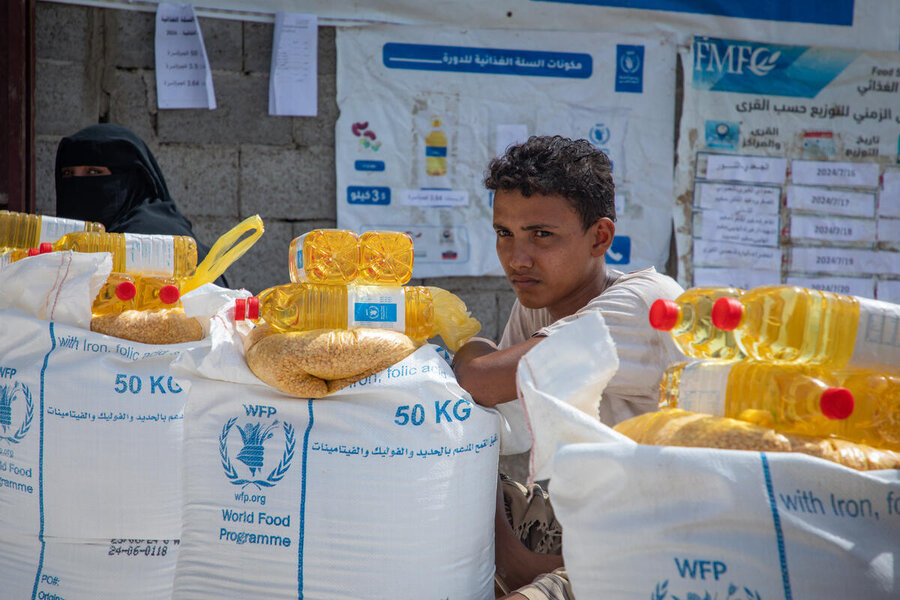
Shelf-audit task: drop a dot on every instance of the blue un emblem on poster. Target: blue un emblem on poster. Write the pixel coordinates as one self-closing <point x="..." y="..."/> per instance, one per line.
<point x="629" y="68"/>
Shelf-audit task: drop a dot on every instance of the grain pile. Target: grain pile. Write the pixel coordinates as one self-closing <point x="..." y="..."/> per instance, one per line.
<point x="312" y="364"/>
<point x="676" y="427"/>
<point x="165" y="326"/>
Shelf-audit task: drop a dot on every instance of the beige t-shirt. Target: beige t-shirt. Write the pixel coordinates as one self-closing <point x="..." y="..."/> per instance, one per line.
<point x="644" y="352"/>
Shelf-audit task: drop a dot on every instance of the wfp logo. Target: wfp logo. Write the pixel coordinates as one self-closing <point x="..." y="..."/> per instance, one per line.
<point x="16" y="412"/>
<point x="600" y="135"/>
<point x="710" y="56"/>
<point x="255" y="437"/>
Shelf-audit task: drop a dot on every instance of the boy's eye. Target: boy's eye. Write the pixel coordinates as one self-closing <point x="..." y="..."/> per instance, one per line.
<point x="502" y="233"/>
<point x="542" y="234"/>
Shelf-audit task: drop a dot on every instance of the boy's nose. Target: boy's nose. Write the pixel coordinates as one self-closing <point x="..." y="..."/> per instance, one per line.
<point x="519" y="258"/>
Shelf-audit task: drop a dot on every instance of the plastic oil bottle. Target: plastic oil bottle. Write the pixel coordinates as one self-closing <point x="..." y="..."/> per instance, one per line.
<point x="124" y="291"/>
<point x="795" y="324"/>
<point x="436" y="149"/>
<point x="165" y="255"/>
<point x="385" y="258"/>
<point x="689" y="319"/>
<point x="419" y="312"/>
<point x="788" y="397"/>
<point x="339" y="257"/>
<point x="325" y="256"/>
<point x="877" y="411"/>
<point x="23" y="230"/>
<point x="138" y="291"/>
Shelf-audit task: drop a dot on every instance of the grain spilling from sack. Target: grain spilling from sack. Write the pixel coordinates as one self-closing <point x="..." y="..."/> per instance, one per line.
<point x="165" y="326"/>
<point x="676" y="427"/>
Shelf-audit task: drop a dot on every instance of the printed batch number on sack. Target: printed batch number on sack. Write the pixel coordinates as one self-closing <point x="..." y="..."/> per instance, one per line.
<point x="158" y="384"/>
<point x="139" y="547"/>
<point x="416" y="414"/>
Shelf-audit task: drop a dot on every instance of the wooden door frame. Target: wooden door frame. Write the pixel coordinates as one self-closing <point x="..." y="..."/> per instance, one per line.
<point x="17" y="141"/>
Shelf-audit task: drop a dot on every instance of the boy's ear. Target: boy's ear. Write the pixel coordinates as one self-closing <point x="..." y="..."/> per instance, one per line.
<point x="603" y="230"/>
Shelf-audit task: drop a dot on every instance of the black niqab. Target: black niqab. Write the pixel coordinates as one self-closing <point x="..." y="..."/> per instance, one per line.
<point x="134" y="199"/>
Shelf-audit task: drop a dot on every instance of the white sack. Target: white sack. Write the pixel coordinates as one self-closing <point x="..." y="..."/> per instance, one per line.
<point x="670" y="523"/>
<point x="90" y="442"/>
<point x="644" y="521"/>
<point x="385" y="489"/>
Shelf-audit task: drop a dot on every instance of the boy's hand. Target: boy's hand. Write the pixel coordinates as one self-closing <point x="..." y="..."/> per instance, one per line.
<point x="487" y="373"/>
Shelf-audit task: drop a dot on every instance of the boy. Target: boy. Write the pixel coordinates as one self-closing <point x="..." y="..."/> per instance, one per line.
<point x="554" y="213"/>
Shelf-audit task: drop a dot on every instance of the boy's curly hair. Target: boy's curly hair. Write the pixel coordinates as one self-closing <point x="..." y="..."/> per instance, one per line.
<point x="555" y="165"/>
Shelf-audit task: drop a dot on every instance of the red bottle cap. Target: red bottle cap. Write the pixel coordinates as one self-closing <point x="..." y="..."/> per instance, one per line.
<point x="169" y="294"/>
<point x="664" y="314"/>
<point x="836" y="403"/>
<point x="33" y="252"/>
<point x="45" y="247"/>
<point x="125" y="291"/>
<point x="240" y="309"/>
<point x="727" y="313"/>
<point x="253" y="307"/>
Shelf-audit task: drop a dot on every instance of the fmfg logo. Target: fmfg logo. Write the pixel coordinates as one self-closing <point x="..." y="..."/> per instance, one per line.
<point x="711" y="57"/>
<point x="721" y="65"/>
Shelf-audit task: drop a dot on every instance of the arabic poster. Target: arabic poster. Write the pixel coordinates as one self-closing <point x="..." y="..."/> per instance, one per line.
<point x="423" y="110"/>
<point x="788" y="167"/>
<point x="293" y="85"/>
<point x="183" y="77"/>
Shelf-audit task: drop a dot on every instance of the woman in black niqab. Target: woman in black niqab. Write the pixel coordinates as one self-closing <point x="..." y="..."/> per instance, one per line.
<point x="132" y="198"/>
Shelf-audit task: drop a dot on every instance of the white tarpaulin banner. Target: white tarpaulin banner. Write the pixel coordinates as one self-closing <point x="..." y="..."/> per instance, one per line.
<point x="871" y="24"/>
<point x="423" y="110"/>
<point x="786" y="161"/>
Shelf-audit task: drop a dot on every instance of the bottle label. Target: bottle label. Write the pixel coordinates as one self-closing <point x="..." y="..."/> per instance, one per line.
<point x="878" y="335"/>
<point x="435" y="151"/>
<point x="379" y="307"/>
<point x="299" y="267"/>
<point x="53" y="228"/>
<point x="150" y="254"/>
<point x="703" y="386"/>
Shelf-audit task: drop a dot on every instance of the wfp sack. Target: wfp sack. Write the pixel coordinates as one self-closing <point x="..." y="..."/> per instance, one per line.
<point x="670" y="523"/>
<point x="90" y="442"/>
<point x="385" y="489"/>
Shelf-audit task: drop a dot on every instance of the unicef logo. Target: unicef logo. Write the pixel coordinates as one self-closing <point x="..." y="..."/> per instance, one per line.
<point x="600" y="134"/>
<point x="252" y="453"/>
<point x="630" y="61"/>
<point x="12" y="402"/>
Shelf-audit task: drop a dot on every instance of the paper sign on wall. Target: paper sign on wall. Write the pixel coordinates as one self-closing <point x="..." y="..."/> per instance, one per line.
<point x="293" y="86"/>
<point x="183" y="77"/>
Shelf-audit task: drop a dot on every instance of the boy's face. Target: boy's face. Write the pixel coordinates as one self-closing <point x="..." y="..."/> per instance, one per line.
<point x="549" y="259"/>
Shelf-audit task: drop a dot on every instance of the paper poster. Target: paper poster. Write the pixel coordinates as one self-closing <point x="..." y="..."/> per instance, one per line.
<point x="869" y="24"/>
<point x="888" y="290"/>
<point x="889" y="199"/>
<point x="293" y="85"/>
<point x="183" y="76"/>
<point x="744" y="279"/>
<point x="424" y="110"/>
<point x="809" y="132"/>
<point x="849" y="286"/>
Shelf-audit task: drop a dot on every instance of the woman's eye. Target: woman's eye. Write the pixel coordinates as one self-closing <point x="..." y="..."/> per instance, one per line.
<point x="67" y="172"/>
<point x="94" y="171"/>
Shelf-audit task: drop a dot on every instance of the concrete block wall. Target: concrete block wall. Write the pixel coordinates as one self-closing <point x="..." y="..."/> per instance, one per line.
<point x="97" y="65"/>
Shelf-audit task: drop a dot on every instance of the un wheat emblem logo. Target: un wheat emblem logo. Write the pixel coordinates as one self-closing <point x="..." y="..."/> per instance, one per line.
<point x="254" y="437"/>
<point x="7" y="398"/>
